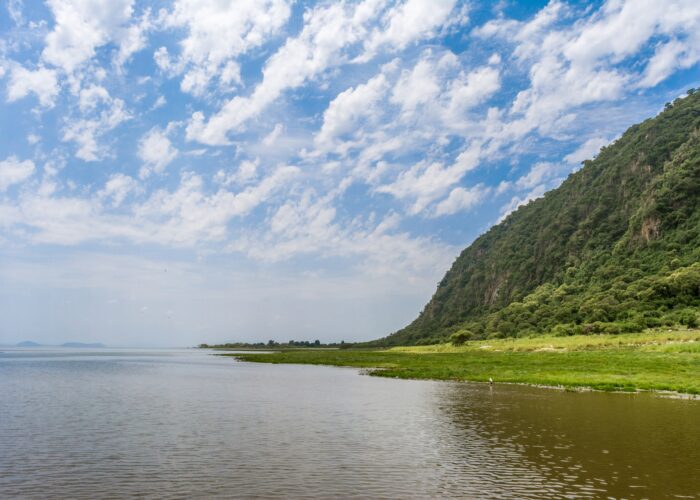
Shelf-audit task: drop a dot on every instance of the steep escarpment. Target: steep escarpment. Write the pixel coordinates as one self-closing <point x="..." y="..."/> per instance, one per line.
<point x="615" y="248"/>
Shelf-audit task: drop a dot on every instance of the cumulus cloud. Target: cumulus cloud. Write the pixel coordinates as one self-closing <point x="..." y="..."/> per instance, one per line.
<point x="217" y="33"/>
<point x="341" y="121"/>
<point x="310" y="225"/>
<point x="574" y="65"/>
<point x="90" y="97"/>
<point x="539" y="173"/>
<point x="156" y="151"/>
<point x="117" y="188"/>
<point x="348" y="108"/>
<point x="81" y="26"/>
<point x="410" y="21"/>
<point x="86" y="132"/>
<point x="14" y="171"/>
<point x="425" y="182"/>
<point x="671" y="56"/>
<point x="424" y="109"/>
<point x="41" y="82"/>
<point x="416" y="87"/>
<point x="461" y="199"/>
<point x="331" y="35"/>
<point x="246" y="172"/>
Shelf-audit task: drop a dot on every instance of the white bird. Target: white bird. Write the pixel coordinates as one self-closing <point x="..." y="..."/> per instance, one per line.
<point x="490" y="381"/>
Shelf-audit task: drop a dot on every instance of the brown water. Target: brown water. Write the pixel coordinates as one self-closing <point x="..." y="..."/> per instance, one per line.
<point x="184" y="424"/>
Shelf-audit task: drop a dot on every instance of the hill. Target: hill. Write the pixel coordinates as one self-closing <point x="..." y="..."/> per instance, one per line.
<point x="616" y="248"/>
<point x="28" y="343"/>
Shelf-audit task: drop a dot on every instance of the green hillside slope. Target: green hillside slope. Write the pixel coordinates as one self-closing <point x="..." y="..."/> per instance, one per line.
<point x="615" y="248"/>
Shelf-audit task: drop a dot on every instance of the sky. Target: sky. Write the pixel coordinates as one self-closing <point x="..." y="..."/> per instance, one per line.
<point x="186" y="171"/>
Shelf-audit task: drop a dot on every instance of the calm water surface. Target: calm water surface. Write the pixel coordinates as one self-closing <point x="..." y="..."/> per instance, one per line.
<point x="186" y="424"/>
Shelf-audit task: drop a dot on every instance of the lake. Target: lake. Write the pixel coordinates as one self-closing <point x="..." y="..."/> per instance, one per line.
<point x="187" y="424"/>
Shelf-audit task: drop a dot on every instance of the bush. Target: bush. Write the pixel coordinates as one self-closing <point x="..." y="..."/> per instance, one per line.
<point x="565" y="330"/>
<point x="688" y="318"/>
<point x="461" y="337"/>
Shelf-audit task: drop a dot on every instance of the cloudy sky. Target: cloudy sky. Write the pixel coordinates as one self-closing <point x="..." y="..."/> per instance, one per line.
<point x="206" y="170"/>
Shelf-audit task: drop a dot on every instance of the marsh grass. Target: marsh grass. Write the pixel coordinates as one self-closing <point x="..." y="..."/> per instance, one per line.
<point x="650" y="339"/>
<point x="652" y="360"/>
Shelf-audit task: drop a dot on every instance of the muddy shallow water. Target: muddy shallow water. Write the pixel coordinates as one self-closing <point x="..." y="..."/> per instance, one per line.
<point x="183" y="423"/>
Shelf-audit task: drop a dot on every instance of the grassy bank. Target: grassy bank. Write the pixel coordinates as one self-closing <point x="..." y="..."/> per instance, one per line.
<point x="651" y="360"/>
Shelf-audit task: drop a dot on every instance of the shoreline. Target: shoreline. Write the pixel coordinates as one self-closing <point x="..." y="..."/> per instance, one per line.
<point x="654" y="361"/>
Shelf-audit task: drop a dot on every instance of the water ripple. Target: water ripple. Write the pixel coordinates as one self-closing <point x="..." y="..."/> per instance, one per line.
<point x="186" y="425"/>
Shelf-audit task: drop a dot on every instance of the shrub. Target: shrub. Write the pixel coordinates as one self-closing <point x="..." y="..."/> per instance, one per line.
<point x="564" y="330"/>
<point x="461" y="337"/>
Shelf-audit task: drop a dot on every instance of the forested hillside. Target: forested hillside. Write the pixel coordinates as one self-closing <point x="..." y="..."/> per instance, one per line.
<point x="616" y="248"/>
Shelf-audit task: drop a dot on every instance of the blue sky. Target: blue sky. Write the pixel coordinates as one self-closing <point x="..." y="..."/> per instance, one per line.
<point x="196" y="170"/>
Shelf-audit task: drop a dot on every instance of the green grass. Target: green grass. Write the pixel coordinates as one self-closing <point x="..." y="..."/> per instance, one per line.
<point x="668" y="361"/>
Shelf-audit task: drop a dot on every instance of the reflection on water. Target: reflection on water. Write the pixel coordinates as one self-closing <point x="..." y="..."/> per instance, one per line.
<point x="174" y="424"/>
<point x="549" y="443"/>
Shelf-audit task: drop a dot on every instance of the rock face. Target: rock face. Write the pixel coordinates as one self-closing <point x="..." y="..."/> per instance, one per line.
<point x="595" y="250"/>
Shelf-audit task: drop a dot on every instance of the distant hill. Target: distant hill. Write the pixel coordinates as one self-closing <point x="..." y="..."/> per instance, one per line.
<point x="28" y="343"/>
<point x="615" y="248"/>
<point x="82" y="344"/>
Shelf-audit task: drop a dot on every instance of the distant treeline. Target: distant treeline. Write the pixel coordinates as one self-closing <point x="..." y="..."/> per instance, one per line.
<point x="272" y="344"/>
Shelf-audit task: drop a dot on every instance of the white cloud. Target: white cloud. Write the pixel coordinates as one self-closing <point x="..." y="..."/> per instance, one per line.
<point x="218" y="32"/>
<point x="419" y="110"/>
<point x="156" y="151"/>
<point x="246" y="172"/>
<point x="581" y="63"/>
<point x="271" y="138"/>
<point x="327" y="30"/>
<point x="330" y="33"/>
<point x="132" y="39"/>
<point x="81" y="26"/>
<point x="189" y="216"/>
<point x="90" y="97"/>
<point x="14" y="171"/>
<point x="461" y="199"/>
<point x="42" y="82"/>
<point x="310" y="225"/>
<point x="538" y="174"/>
<point x="160" y="102"/>
<point x="425" y="182"/>
<point x="586" y="151"/>
<point x="376" y="141"/>
<point x="85" y="132"/>
<point x="348" y="108"/>
<point x="471" y="89"/>
<point x="117" y="188"/>
<point x="669" y="57"/>
<point x="416" y="87"/>
<point x="162" y="59"/>
<point x="410" y="21"/>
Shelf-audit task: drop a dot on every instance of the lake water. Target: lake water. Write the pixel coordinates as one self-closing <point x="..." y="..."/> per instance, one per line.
<point x="186" y="424"/>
